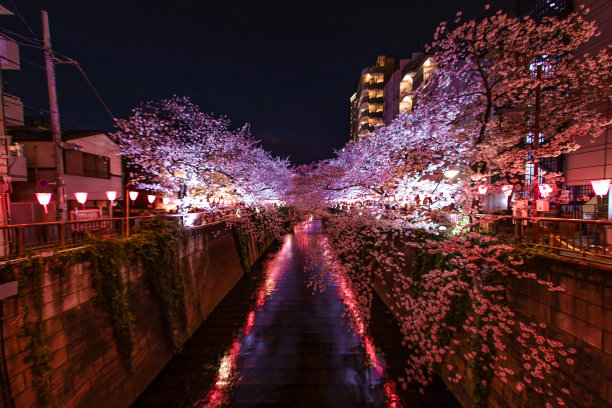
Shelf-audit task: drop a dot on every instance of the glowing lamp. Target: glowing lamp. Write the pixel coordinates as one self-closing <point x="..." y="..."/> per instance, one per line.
<point x="44" y="199"/>
<point x="111" y="195"/>
<point x="545" y="189"/>
<point x="482" y="190"/>
<point x="165" y="200"/>
<point x="451" y="173"/>
<point x="601" y="187"/>
<point x="81" y="198"/>
<point x="507" y="189"/>
<point x="151" y="198"/>
<point x="133" y="196"/>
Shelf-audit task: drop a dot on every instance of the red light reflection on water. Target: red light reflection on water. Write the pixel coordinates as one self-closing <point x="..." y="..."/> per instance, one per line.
<point x="348" y="298"/>
<point x="228" y="373"/>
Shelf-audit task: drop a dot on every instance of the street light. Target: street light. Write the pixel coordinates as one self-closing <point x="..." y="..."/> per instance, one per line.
<point x="545" y="189"/>
<point x="81" y="198"/>
<point x="133" y="195"/>
<point x="111" y="195"/>
<point x="507" y="189"/>
<point x="44" y="199"/>
<point x="151" y="198"/>
<point x="601" y="187"/>
<point x="482" y="190"/>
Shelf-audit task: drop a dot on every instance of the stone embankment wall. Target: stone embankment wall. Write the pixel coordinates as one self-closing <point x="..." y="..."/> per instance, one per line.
<point x="580" y="317"/>
<point x="86" y="369"/>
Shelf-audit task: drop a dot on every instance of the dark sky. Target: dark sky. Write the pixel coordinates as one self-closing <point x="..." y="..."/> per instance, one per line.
<point x="288" y="68"/>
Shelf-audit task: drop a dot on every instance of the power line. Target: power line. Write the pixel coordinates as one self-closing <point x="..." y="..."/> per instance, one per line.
<point x="26" y="38"/>
<point x="23" y="19"/>
<point x="76" y="64"/>
<point x="59" y="58"/>
<point x="33" y="63"/>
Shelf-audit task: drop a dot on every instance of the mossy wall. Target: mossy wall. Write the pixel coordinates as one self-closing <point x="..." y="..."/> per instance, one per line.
<point x="85" y="367"/>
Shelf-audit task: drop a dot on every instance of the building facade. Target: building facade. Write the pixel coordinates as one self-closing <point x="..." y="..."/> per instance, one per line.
<point x="593" y="160"/>
<point x="91" y="165"/>
<point x="367" y="103"/>
<point x="400" y="90"/>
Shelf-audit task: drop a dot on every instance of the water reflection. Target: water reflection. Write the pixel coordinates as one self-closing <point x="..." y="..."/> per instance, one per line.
<point x="228" y="366"/>
<point x="366" y="383"/>
<point x="272" y="341"/>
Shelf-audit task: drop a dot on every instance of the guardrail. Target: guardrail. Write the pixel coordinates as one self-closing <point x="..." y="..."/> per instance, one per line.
<point x="588" y="239"/>
<point x="19" y="238"/>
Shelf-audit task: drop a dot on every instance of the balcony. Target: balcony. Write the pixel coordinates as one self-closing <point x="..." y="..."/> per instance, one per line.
<point x="9" y="54"/>
<point x="13" y="110"/>
<point x="18" y="170"/>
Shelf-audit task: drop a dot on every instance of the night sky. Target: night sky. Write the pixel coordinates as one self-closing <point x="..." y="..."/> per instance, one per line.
<point x="287" y="68"/>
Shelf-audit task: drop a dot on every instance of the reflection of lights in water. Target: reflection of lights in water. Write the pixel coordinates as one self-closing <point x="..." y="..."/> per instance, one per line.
<point x="228" y="374"/>
<point x="348" y="298"/>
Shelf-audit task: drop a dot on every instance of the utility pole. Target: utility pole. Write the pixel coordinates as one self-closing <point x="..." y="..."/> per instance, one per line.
<point x="55" y="122"/>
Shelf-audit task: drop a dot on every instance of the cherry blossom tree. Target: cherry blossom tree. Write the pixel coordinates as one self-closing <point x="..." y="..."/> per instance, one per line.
<point x="174" y="148"/>
<point x="512" y="91"/>
<point x="507" y="92"/>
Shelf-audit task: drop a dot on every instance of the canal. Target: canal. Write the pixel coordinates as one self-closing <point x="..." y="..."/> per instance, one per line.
<point x="273" y="342"/>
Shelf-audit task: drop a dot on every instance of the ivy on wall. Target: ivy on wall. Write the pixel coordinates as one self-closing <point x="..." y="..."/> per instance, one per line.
<point x="155" y="246"/>
<point x="242" y="243"/>
<point x="29" y="274"/>
<point x="106" y="257"/>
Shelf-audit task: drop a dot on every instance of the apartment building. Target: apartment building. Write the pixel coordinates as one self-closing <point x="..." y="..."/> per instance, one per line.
<point x="400" y="90"/>
<point x="367" y="103"/>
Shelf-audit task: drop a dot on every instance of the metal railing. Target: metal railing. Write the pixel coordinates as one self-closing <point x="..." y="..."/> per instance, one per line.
<point x="20" y="238"/>
<point x="587" y="239"/>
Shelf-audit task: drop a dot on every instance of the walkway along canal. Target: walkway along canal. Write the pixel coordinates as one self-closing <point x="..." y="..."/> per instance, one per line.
<point x="273" y="342"/>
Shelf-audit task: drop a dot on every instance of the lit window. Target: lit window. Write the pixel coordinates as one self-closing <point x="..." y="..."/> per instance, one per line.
<point x="529" y="168"/>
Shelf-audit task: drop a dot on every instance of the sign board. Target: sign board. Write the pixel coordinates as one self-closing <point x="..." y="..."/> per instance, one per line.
<point x="43" y="182"/>
<point x="542" y="205"/>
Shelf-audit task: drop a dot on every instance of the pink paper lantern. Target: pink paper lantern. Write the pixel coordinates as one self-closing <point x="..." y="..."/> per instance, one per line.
<point x="545" y="189"/>
<point x="482" y="190"/>
<point x="44" y="199"/>
<point x="507" y="189"/>
<point x="111" y="195"/>
<point x="81" y="198"/>
<point x="133" y="196"/>
<point x="601" y="187"/>
<point x="151" y="198"/>
<point x="165" y="200"/>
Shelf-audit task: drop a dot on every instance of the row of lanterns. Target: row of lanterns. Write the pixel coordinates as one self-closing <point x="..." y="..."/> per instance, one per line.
<point x="45" y="198"/>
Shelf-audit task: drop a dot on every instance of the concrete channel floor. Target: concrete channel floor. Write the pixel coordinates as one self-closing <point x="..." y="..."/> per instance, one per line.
<point x="272" y="342"/>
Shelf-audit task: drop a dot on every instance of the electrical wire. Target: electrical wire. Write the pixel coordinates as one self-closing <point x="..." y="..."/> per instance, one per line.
<point x="76" y="64"/>
<point x="25" y="38"/>
<point x="23" y="19"/>
<point x="33" y="63"/>
<point x="36" y="43"/>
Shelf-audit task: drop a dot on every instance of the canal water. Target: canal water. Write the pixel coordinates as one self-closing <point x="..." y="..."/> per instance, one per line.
<point x="272" y="342"/>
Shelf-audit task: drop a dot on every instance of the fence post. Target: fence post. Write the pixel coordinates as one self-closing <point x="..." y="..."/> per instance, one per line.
<point x="535" y="232"/>
<point x="62" y="235"/>
<point x="20" y="243"/>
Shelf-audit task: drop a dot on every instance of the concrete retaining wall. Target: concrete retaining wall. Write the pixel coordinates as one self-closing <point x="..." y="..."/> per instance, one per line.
<point x="86" y="368"/>
<point x="580" y="317"/>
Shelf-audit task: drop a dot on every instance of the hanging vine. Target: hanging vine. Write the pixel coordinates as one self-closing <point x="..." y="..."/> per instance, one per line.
<point x="242" y="243"/>
<point x="30" y="278"/>
<point x="106" y="258"/>
<point x="156" y="248"/>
